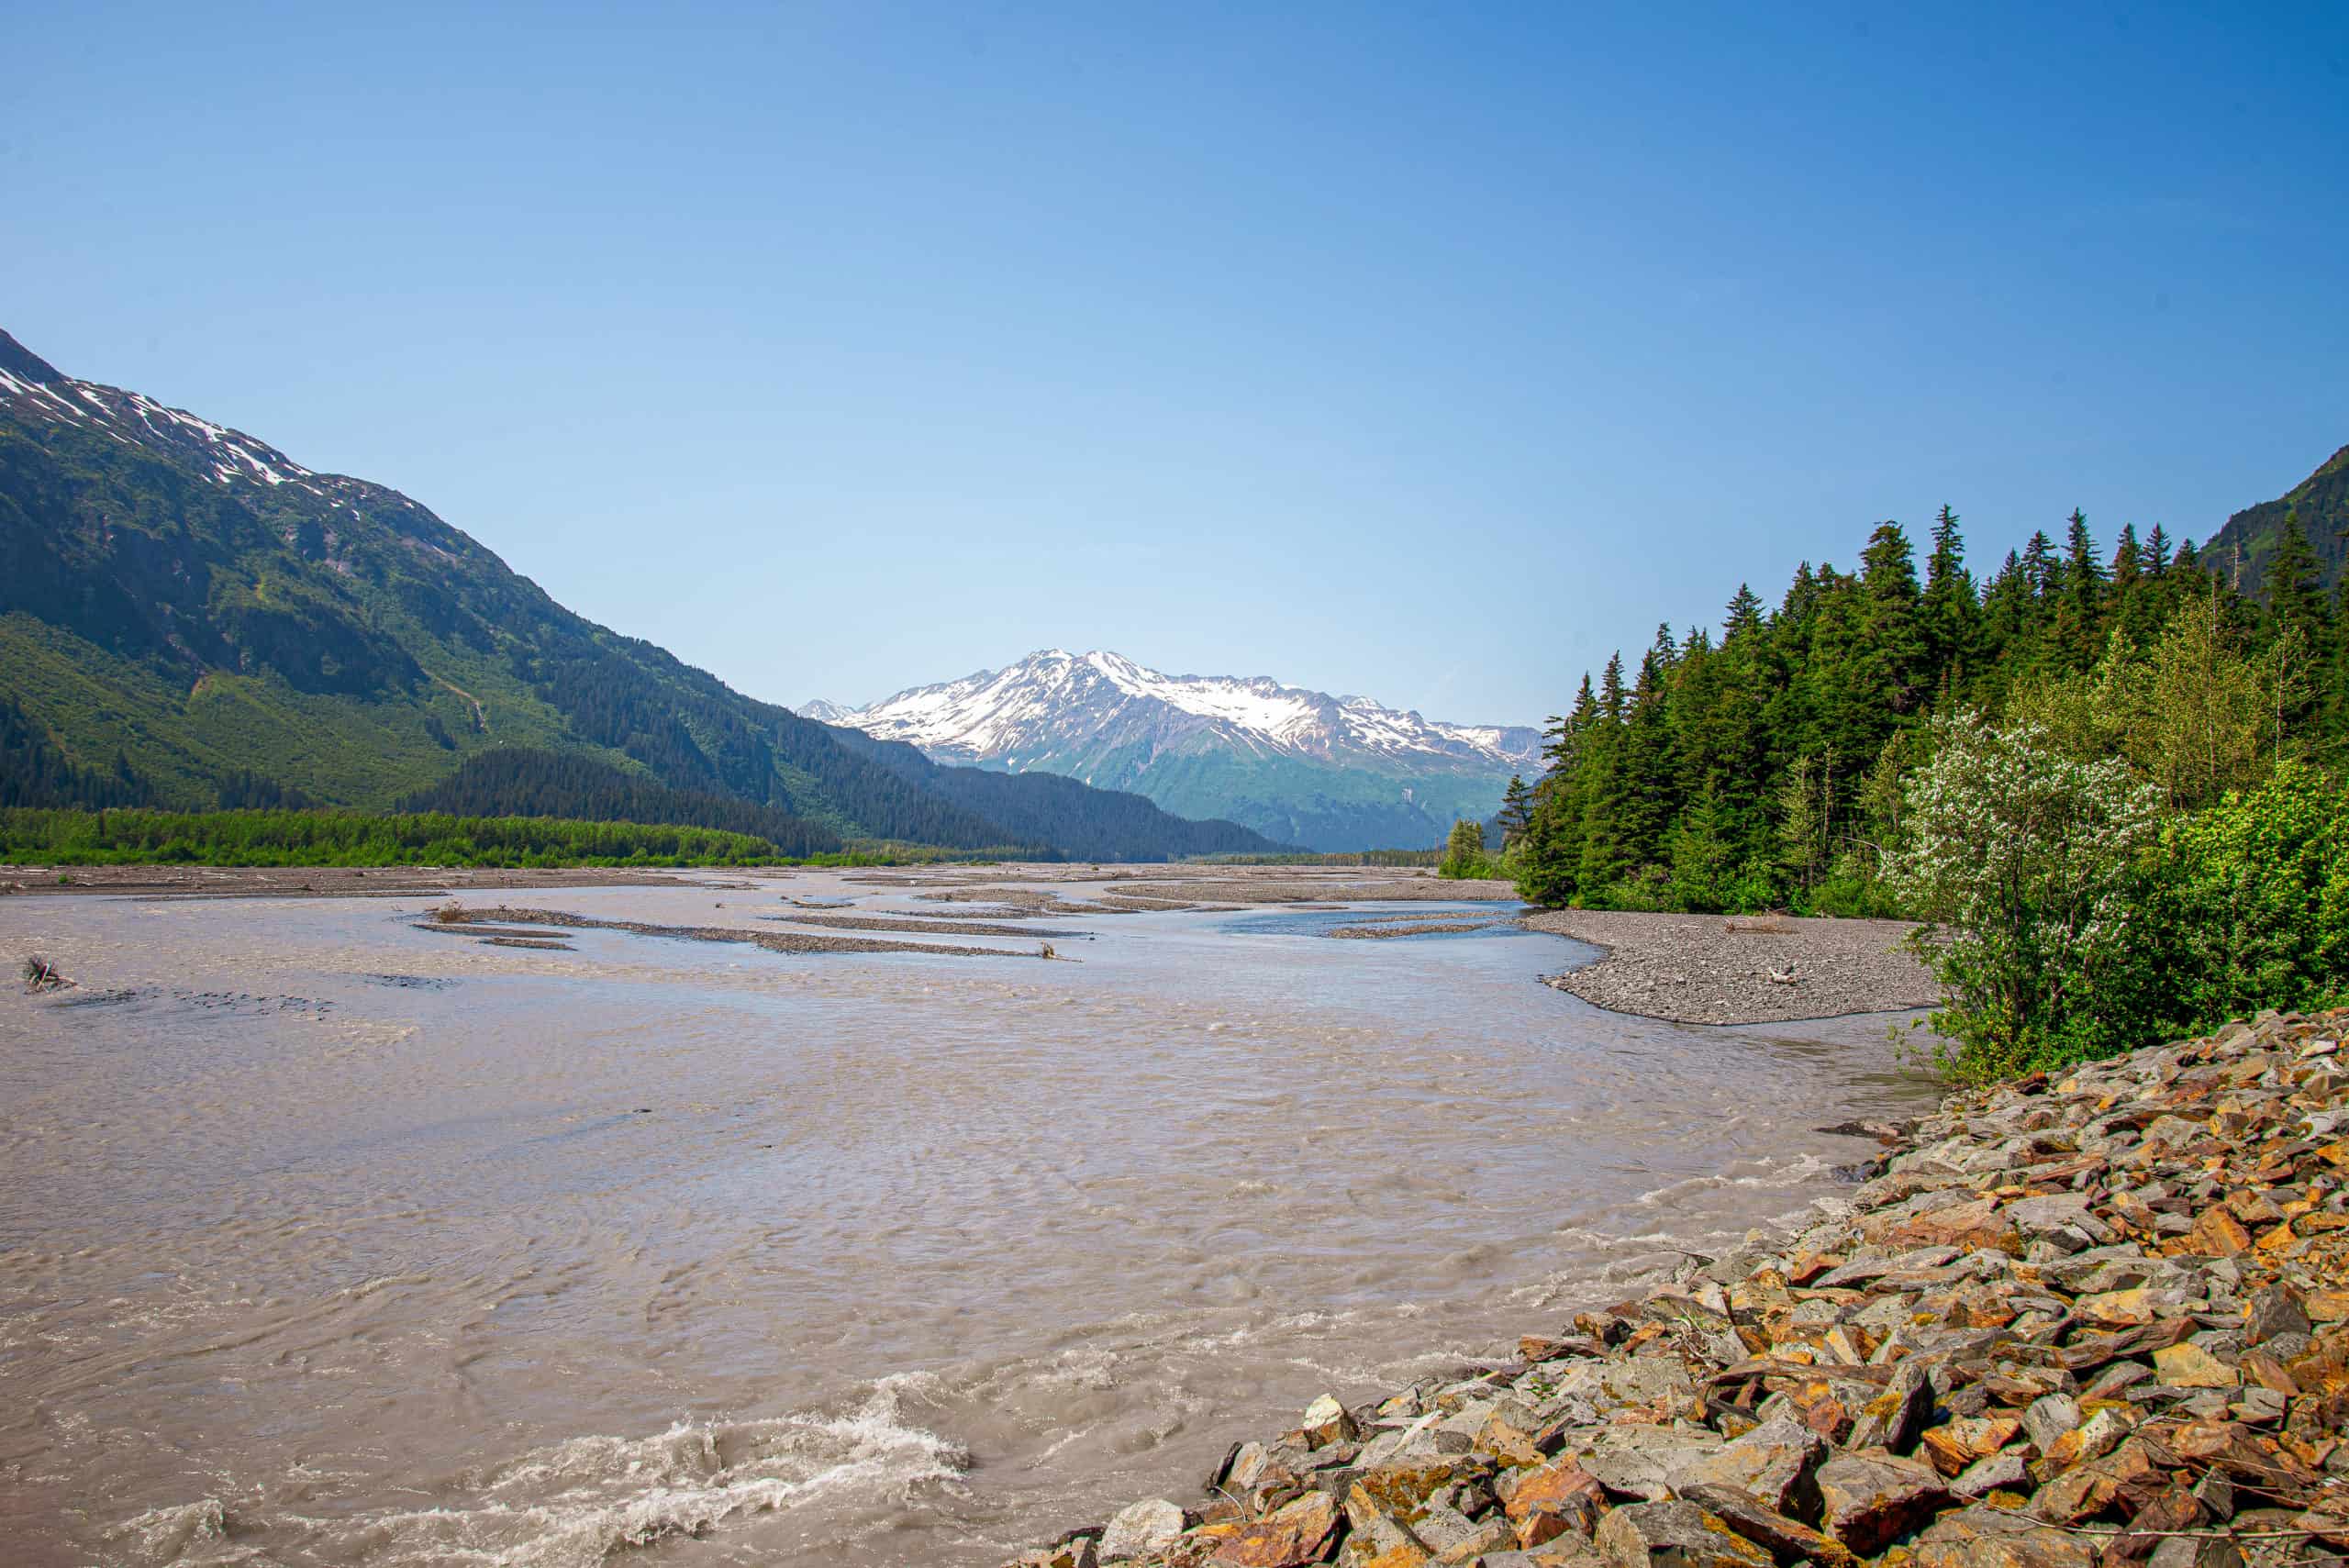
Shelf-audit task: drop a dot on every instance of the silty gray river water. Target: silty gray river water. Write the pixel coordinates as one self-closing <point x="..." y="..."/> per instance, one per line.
<point x="326" y="1240"/>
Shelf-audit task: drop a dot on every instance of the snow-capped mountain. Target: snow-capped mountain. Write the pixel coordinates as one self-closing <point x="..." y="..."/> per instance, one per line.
<point x="1328" y="772"/>
<point x="136" y="419"/>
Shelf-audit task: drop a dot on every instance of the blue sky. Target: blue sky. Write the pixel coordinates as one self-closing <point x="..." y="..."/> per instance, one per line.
<point x="1425" y="351"/>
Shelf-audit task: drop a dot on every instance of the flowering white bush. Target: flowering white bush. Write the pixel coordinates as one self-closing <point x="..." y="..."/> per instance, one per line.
<point x="2024" y="857"/>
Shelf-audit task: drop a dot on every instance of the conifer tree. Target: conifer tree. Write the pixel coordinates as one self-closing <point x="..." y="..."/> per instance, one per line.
<point x="1951" y="610"/>
<point x="1517" y="813"/>
<point x="2079" y="606"/>
<point x="2294" y="597"/>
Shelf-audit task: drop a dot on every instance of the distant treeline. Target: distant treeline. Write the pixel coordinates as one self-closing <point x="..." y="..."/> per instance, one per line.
<point x="517" y="781"/>
<point x="1337" y="858"/>
<point x="138" y="836"/>
<point x="34" y="772"/>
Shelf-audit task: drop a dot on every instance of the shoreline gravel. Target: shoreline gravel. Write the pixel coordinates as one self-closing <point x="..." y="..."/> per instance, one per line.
<point x="1714" y="969"/>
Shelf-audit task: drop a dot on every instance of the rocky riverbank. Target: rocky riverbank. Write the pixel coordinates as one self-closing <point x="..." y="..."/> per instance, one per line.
<point x="1717" y="969"/>
<point x="2101" y="1318"/>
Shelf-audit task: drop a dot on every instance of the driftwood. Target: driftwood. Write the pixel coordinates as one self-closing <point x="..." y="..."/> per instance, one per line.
<point x="1765" y="926"/>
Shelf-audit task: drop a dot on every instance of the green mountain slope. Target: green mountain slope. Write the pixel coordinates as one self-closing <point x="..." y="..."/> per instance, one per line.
<point x="184" y="607"/>
<point x="1084" y="822"/>
<point x="2321" y="502"/>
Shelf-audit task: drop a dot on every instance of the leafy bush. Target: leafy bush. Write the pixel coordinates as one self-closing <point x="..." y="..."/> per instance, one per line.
<point x="2026" y="857"/>
<point x="2077" y="919"/>
<point x="2253" y="896"/>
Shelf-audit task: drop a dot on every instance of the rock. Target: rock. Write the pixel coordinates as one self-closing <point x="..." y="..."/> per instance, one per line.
<point x="1290" y="1536"/>
<point x="1078" y="1552"/>
<point x="1242" y="1470"/>
<point x="1387" y="1505"/>
<point x="1326" y="1423"/>
<point x="1961" y="1442"/>
<point x="1872" y="1500"/>
<point x="1776" y="1461"/>
<point x="1555" y="1500"/>
<point x="1141" y="1528"/>
<point x="1982" y="1536"/>
<point x="2049" y="1418"/>
<point x="1674" y="1535"/>
<point x="1784" y="1538"/>
<point x="2181" y="1553"/>
<point x="1970" y="1225"/>
<point x="2000" y="1472"/>
<point x="2086" y="1490"/>
<point x="1480" y="1539"/>
<point x="2271" y="1312"/>
<point x="2218" y="1234"/>
<point x="2191" y="1366"/>
<point x="1894" y="1418"/>
<point x="1637" y="1462"/>
<point x="2092" y="1439"/>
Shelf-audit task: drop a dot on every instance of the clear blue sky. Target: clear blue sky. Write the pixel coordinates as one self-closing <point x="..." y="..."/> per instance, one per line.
<point x="1424" y="351"/>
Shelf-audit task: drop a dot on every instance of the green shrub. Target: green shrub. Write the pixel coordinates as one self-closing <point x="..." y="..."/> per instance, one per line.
<point x="2027" y="861"/>
<point x="2253" y="893"/>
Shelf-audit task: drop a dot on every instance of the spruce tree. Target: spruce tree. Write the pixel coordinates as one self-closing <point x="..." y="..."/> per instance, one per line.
<point x="1744" y="615"/>
<point x="1952" y="611"/>
<point x="2294" y="596"/>
<point x="2080" y="603"/>
<point x="1517" y="813"/>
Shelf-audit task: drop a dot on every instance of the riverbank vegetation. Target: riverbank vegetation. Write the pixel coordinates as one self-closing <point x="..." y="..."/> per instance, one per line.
<point x="1391" y="858"/>
<point x="1464" y="856"/>
<point x="2111" y="782"/>
<point x="45" y="837"/>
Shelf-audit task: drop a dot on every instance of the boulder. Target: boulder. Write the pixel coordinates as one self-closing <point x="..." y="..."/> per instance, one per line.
<point x="1788" y="1539"/>
<point x="1872" y="1500"/>
<point x="2007" y="1472"/>
<point x="2050" y="1417"/>
<point x="2191" y="1366"/>
<point x="1141" y="1528"/>
<point x="1894" y="1418"/>
<point x="1961" y="1442"/>
<point x="2218" y="1234"/>
<point x="1326" y="1423"/>
<point x="1555" y="1500"/>
<point x="1984" y="1537"/>
<point x="1776" y="1461"/>
<point x="1674" y="1535"/>
<point x="1291" y="1536"/>
<point x="2273" y="1311"/>
<point x="1639" y="1461"/>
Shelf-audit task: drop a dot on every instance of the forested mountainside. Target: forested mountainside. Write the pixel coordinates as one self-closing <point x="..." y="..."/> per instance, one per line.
<point x="1766" y="764"/>
<point x="188" y="615"/>
<point x="2319" y="504"/>
<point x="1092" y="824"/>
<point x="523" y="781"/>
<point x="1329" y="772"/>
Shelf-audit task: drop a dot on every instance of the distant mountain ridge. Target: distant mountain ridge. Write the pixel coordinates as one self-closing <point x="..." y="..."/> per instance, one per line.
<point x="1331" y="772"/>
<point x="2249" y="538"/>
<point x="189" y="618"/>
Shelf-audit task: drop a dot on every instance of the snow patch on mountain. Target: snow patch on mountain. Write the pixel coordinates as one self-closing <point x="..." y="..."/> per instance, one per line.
<point x="1054" y="702"/>
<point x="136" y="419"/>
